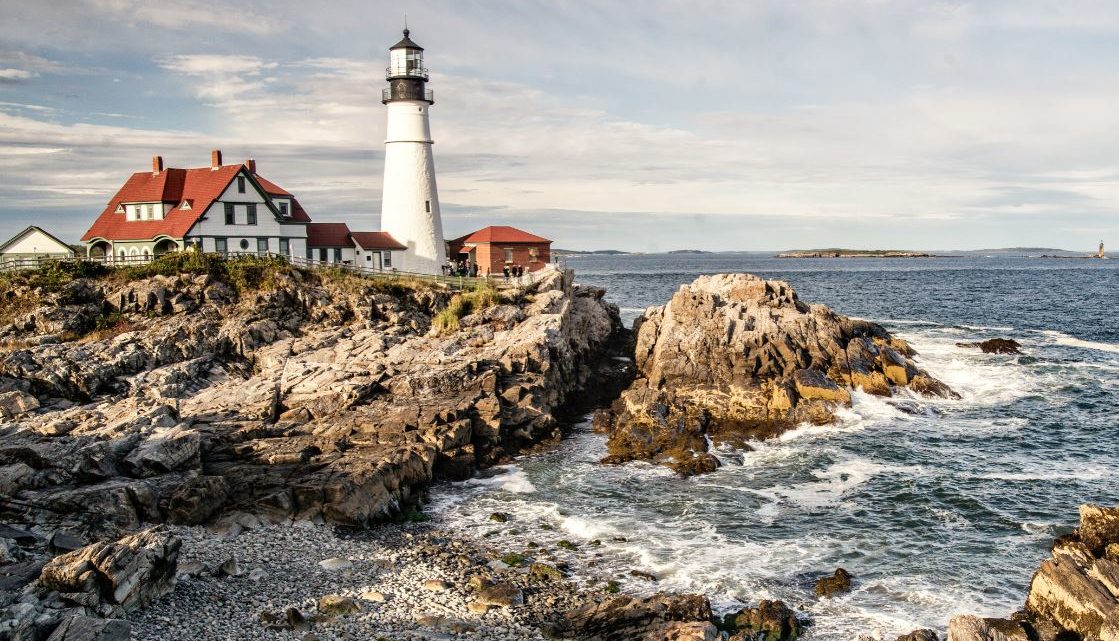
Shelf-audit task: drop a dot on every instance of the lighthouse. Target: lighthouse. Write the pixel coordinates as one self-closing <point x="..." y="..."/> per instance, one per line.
<point x="410" y="200"/>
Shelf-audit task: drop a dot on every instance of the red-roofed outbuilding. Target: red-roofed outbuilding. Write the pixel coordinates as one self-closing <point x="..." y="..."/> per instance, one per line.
<point x="495" y="247"/>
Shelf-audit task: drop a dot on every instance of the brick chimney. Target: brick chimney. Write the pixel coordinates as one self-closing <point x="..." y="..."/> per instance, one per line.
<point x="215" y="159"/>
<point x="157" y="165"/>
<point x="250" y="164"/>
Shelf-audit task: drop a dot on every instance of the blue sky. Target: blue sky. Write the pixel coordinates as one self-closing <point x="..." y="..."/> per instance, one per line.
<point x="645" y="126"/>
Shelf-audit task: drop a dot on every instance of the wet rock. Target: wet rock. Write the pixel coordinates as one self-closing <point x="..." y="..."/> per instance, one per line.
<point x="837" y="583"/>
<point x="995" y="346"/>
<point x="922" y="634"/>
<point x="773" y="619"/>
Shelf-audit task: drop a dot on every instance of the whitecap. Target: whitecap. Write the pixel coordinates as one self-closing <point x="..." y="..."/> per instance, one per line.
<point x="1061" y="338"/>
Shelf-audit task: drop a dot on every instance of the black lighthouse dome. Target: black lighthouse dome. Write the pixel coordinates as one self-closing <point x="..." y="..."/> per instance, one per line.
<point x="406" y="73"/>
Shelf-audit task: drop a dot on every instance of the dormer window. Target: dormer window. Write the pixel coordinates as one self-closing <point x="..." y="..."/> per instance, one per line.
<point x="283" y="208"/>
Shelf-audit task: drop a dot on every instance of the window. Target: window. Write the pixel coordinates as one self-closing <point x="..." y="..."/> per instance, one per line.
<point x="369" y="257"/>
<point x="244" y="244"/>
<point x="148" y="211"/>
<point x="337" y="254"/>
<point x="310" y="253"/>
<point x="250" y="210"/>
<point x="386" y="259"/>
<point x="122" y="254"/>
<point x="283" y="208"/>
<point x="285" y="247"/>
<point x="230" y="216"/>
<point x="219" y="245"/>
<point x="262" y="245"/>
<point x="427" y="206"/>
<point x="533" y="255"/>
<point x="508" y="254"/>
<point x="240" y="184"/>
<point x="322" y="254"/>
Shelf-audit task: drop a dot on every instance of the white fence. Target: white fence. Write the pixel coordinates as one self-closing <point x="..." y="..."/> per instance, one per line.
<point x="449" y="281"/>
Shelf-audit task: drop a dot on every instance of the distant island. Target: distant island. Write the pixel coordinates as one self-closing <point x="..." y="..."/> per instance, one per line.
<point x="598" y="252"/>
<point x="854" y="253"/>
<point x="688" y="251"/>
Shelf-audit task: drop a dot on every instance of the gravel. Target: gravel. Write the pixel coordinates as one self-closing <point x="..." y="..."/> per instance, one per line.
<point x="384" y="571"/>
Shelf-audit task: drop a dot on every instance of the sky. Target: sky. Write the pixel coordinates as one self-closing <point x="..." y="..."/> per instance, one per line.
<point x="602" y="124"/>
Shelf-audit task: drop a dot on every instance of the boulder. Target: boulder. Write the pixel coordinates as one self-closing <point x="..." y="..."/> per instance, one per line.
<point x="733" y="357"/>
<point x="501" y="595"/>
<point x="972" y="628"/>
<point x="337" y="605"/>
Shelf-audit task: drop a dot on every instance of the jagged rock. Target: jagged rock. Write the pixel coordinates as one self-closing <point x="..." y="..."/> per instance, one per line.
<point x="127" y="573"/>
<point x="196" y="500"/>
<point x="1099" y="527"/>
<point x="14" y="403"/>
<point x="734" y="357"/>
<point x="84" y="628"/>
<point x="837" y="583"/>
<point x="164" y="450"/>
<point x="623" y="618"/>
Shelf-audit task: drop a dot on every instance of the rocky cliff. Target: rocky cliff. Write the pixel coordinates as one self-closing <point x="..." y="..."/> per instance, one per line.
<point x="1073" y="595"/>
<point x="193" y="397"/>
<point x="736" y="357"/>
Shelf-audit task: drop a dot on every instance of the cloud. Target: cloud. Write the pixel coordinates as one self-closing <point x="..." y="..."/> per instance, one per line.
<point x="189" y="15"/>
<point x="16" y="75"/>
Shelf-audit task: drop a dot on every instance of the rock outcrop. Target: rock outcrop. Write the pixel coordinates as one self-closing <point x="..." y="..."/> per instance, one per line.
<point x="1073" y="595"/>
<point x="995" y="346"/>
<point x="736" y="357"/>
<point x="84" y="595"/>
<point x="308" y="396"/>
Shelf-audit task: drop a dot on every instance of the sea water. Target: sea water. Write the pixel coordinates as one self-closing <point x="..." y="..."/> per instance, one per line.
<point x="947" y="511"/>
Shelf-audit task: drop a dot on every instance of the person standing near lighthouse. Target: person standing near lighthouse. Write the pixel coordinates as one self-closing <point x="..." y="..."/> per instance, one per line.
<point x="410" y="200"/>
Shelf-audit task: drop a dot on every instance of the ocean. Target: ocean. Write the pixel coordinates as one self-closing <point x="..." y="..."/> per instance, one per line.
<point x="945" y="512"/>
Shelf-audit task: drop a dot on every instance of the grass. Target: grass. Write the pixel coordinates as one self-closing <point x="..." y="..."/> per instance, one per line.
<point x="514" y="560"/>
<point x="472" y="300"/>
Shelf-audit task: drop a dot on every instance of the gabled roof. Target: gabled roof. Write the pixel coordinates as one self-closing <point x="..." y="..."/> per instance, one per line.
<point x="375" y="240"/>
<point x="328" y="235"/>
<point x="201" y="186"/>
<point x="500" y="234"/>
<point x="30" y="230"/>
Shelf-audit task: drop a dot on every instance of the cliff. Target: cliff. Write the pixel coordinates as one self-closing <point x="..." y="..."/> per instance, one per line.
<point x="735" y="357"/>
<point x="198" y="396"/>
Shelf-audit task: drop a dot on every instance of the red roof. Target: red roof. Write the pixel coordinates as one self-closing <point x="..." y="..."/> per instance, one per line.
<point x="199" y="186"/>
<point x="500" y="234"/>
<point x="328" y="235"/>
<point x="375" y="240"/>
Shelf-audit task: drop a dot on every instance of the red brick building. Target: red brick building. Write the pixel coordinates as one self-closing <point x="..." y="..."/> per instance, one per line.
<point x="495" y="247"/>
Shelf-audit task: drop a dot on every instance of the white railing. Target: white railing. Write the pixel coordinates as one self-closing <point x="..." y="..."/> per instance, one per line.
<point x="450" y="281"/>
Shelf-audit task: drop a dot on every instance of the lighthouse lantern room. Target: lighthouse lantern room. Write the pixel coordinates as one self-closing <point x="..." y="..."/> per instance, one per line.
<point x="410" y="200"/>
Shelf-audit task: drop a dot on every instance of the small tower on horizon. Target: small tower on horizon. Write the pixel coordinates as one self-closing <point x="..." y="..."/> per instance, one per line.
<point x="410" y="200"/>
<point x="1101" y="254"/>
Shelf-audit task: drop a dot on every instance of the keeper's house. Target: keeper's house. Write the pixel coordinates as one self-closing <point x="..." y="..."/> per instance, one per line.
<point x="228" y="209"/>
<point x="334" y="243"/>
<point x="31" y="246"/>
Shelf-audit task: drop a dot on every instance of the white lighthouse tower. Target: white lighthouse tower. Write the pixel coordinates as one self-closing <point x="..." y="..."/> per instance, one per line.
<point x="410" y="201"/>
